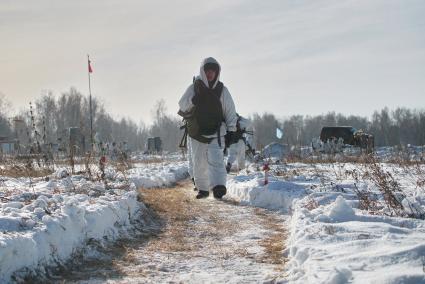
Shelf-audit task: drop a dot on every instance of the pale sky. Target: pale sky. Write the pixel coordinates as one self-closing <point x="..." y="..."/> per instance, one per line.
<point x="286" y="56"/>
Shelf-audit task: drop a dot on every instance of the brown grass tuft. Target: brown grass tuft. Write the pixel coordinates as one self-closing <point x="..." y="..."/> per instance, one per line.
<point x="24" y="171"/>
<point x="175" y="210"/>
<point x="274" y="243"/>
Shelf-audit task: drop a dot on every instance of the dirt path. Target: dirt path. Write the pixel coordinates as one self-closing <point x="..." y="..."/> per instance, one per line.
<point x="192" y="241"/>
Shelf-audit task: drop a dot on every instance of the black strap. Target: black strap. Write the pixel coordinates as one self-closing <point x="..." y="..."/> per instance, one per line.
<point x="183" y="142"/>
<point x="218" y="136"/>
<point x="203" y="139"/>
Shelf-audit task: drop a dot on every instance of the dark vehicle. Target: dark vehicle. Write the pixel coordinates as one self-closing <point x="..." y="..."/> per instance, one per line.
<point x="349" y="134"/>
<point x="154" y="145"/>
<point x="336" y="132"/>
<point x="76" y="141"/>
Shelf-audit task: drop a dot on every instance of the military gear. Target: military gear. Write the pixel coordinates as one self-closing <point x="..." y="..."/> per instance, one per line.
<point x="229" y="138"/>
<point x="228" y="167"/>
<point x="206" y="116"/>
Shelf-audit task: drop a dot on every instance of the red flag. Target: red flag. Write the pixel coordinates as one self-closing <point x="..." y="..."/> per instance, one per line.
<point x="90" y="69"/>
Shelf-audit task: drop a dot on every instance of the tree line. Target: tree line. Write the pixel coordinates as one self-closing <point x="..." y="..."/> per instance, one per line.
<point x="49" y="118"/>
<point x="397" y="127"/>
<point x="52" y="117"/>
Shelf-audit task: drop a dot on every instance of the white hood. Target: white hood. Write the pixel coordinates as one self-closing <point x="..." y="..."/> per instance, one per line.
<point x="202" y="71"/>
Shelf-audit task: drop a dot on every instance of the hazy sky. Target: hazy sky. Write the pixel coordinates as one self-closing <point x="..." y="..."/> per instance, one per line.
<point x="286" y="57"/>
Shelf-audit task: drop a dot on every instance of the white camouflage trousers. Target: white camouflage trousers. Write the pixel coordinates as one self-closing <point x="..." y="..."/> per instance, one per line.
<point x="208" y="164"/>
<point x="189" y="156"/>
<point x="237" y="153"/>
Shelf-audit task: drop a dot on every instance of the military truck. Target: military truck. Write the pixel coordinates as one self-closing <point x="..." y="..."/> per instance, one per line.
<point x="350" y="136"/>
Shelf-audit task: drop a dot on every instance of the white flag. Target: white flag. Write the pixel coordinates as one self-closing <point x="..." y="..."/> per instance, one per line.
<point x="279" y="133"/>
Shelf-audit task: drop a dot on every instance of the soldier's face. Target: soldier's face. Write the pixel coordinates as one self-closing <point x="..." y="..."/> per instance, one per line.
<point x="210" y="73"/>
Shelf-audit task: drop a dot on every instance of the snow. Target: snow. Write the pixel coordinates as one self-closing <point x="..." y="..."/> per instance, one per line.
<point x="44" y="222"/>
<point x="158" y="175"/>
<point x="222" y="246"/>
<point x="330" y="239"/>
<point x="277" y="194"/>
<point x="339" y="211"/>
<point x="333" y="241"/>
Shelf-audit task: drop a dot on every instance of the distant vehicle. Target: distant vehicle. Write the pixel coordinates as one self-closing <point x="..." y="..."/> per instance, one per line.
<point x="350" y="136"/>
<point x="336" y="132"/>
<point x="275" y="149"/>
<point x="154" y="145"/>
<point x="76" y="141"/>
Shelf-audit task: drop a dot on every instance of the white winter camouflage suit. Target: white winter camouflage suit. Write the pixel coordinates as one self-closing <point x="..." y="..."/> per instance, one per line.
<point x="237" y="150"/>
<point x="208" y="160"/>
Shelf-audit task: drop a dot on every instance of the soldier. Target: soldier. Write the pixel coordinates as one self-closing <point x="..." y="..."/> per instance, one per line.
<point x="241" y="140"/>
<point x="209" y="111"/>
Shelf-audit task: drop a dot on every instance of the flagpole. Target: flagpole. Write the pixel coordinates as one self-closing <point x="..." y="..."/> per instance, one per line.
<point x="90" y="103"/>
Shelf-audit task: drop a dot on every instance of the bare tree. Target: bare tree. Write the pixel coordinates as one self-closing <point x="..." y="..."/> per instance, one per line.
<point x="264" y="127"/>
<point x="166" y="127"/>
<point x="5" y="127"/>
<point x="45" y="113"/>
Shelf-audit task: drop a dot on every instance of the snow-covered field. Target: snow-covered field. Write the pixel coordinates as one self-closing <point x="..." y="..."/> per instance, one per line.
<point x="333" y="237"/>
<point x="341" y="227"/>
<point x="43" y="222"/>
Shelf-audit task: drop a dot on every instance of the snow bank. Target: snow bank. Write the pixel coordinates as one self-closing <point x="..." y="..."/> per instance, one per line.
<point x="43" y="223"/>
<point x="277" y="194"/>
<point x="158" y="175"/>
<point x="53" y="238"/>
<point x="330" y="239"/>
<point x="336" y="243"/>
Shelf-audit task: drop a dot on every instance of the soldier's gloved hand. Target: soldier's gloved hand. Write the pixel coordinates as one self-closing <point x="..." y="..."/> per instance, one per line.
<point x="229" y="137"/>
<point x="228" y="167"/>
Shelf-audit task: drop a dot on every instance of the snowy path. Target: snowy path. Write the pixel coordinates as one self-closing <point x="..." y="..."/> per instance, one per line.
<point x="192" y="241"/>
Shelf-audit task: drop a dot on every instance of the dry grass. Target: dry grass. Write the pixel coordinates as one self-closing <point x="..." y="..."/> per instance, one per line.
<point x="274" y="243"/>
<point x="175" y="210"/>
<point x="180" y="213"/>
<point x="150" y="160"/>
<point x="24" y="171"/>
<point x="184" y="231"/>
<point x="185" y="228"/>
<point x="328" y="159"/>
<point x="311" y="204"/>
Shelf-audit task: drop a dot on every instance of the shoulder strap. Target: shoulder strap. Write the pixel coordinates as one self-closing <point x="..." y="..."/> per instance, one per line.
<point x="219" y="88"/>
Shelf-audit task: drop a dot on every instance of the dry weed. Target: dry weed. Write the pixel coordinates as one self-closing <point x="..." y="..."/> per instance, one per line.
<point x="311" y="204"/>
<point x="150" y="160"/>
<point x="175" y="210"/>
<point x="274" y="243"/>
<point x="15" y="170"/>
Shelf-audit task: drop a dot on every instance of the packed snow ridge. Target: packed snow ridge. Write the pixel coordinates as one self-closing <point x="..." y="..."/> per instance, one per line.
<point x="332" y="240"/>
<point x="44" y="222"/>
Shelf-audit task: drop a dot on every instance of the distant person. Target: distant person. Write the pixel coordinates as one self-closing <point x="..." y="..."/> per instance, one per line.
<point x="209" y="111"/>
<point x="114" y="151"/>
<point x="190" y="160"/>
<point x="241" y="140"/>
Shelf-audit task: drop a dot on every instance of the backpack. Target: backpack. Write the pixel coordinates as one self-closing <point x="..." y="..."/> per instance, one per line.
<point x="206" y="116"/>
